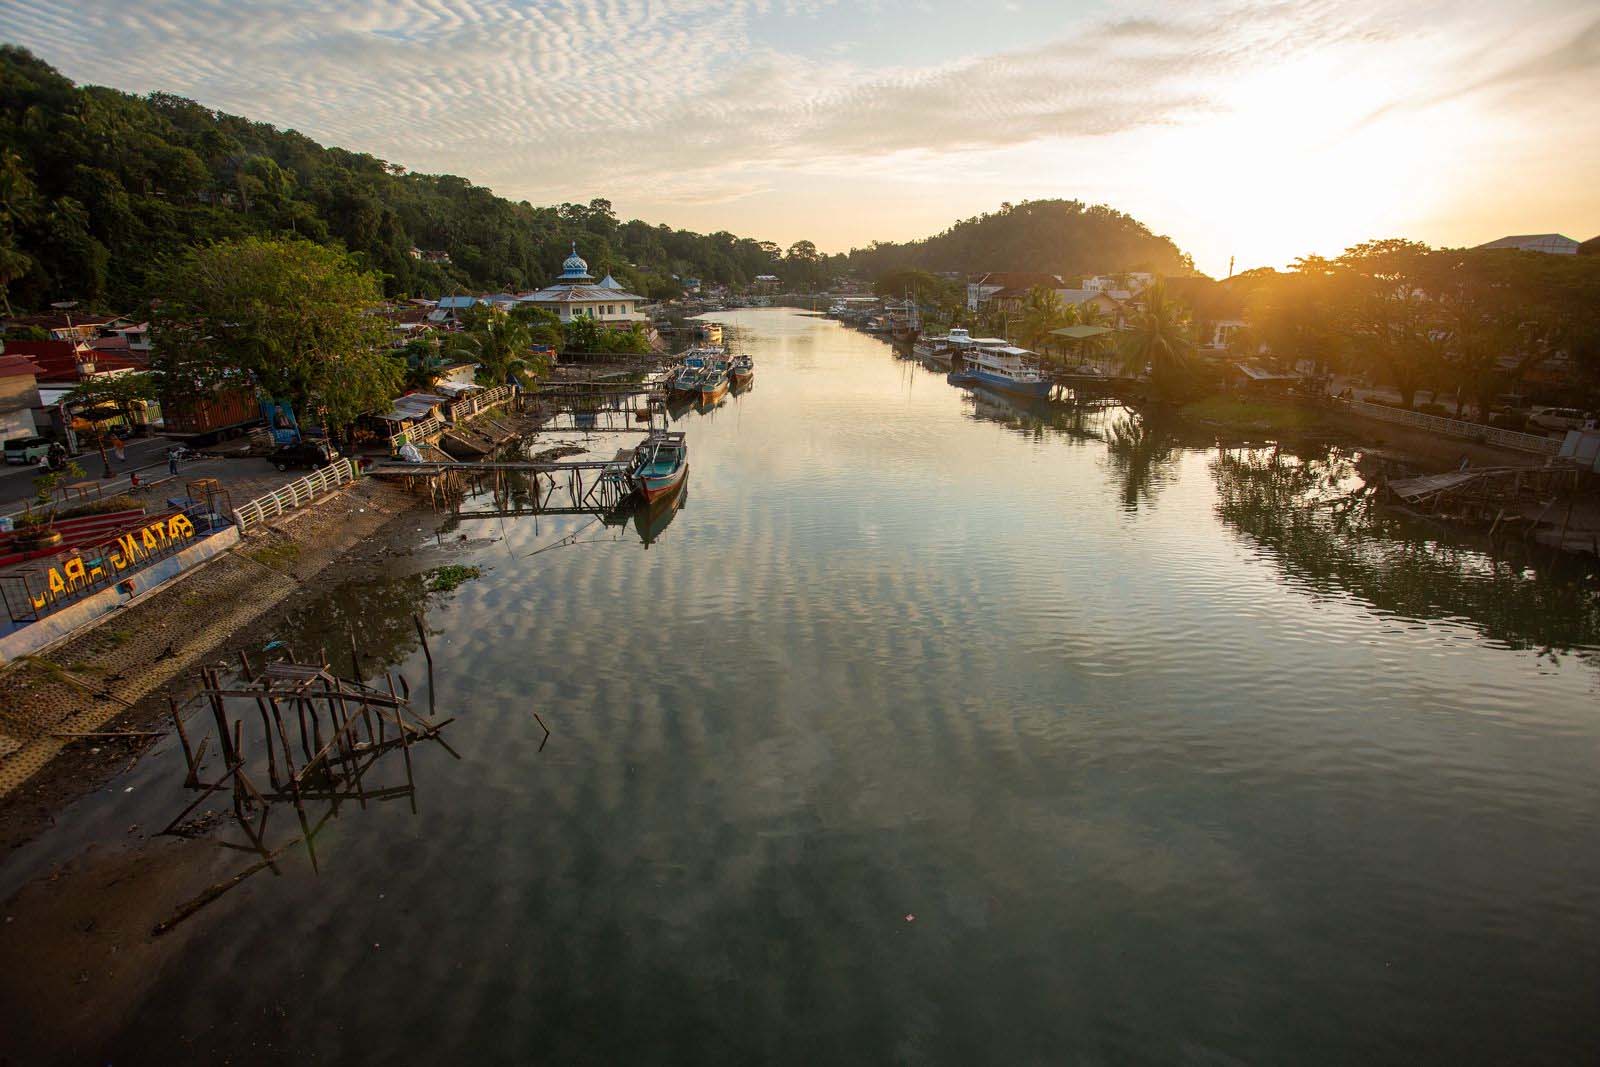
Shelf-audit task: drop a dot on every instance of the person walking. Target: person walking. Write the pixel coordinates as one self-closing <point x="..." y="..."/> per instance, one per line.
<point x="117" y="445"/>
<point x="172" y="461"/>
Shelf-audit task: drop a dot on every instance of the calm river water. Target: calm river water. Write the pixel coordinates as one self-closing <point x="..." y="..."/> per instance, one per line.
<point x="935" y="730"/>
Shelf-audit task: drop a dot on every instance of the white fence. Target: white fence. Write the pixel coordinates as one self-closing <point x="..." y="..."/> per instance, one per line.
<point x="1470" y="431"/>
<point x="298" y="492"/>
<point x="465" y="409"/>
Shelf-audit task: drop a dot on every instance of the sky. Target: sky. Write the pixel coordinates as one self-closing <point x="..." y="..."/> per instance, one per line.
<point x="1247" y="132"/>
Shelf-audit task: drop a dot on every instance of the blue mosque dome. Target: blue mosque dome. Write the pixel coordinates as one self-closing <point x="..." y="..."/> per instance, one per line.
<point x="575" y="269"/>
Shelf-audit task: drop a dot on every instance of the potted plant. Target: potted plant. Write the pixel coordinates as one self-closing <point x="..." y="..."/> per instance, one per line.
<point x="35" y="527"/>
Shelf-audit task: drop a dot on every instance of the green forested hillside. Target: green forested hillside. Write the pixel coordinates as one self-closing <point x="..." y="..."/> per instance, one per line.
<point x="98" y="187"/>
<point x="1054" y="236"/>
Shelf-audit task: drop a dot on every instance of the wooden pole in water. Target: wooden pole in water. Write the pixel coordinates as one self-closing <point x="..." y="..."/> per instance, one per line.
<point x="355" y="657"/>
<point x="422" y="633"/>
<point x="183" y="739"/>
<point x="221" y="717"/>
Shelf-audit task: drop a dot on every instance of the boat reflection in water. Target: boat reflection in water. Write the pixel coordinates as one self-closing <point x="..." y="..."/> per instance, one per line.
<point x="651" y="518"/>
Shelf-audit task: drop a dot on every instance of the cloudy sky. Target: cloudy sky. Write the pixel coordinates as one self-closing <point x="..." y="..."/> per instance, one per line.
<point x="1251" y="130"/>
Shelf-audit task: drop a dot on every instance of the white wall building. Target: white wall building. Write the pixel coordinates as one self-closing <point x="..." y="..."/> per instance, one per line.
<point x="575" y="294"/>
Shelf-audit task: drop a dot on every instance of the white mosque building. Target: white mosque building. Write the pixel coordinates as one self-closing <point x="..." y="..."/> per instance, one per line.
<point x="575" y="294"/>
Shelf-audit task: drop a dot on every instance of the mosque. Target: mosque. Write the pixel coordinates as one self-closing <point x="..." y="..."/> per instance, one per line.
<point x="575" y="294"/>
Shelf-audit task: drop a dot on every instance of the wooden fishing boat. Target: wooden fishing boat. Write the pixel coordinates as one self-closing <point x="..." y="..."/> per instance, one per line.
<point x="743" y="370"/>
<point x="659" y="464"/>
<point x="687" y="381"/>
<point x="714" y="384"/>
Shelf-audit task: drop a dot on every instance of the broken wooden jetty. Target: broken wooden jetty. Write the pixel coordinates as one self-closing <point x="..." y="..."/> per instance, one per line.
<point x="319" y="739"/>
<point x="1541" y="501"/>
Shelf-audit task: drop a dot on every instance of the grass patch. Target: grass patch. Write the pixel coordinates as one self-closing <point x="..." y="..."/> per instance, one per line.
<point x="448" y="578"/>
<point x="276" y="556"/>
<point x="1252" y="415"/>
<point x="103" y="506"/>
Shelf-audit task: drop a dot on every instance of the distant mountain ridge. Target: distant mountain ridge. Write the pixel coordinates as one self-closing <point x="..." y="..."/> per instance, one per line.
<point x="1064" y="237"/>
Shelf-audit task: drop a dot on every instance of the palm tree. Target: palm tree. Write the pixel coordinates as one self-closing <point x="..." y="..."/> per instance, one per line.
<point x="1158" y="343"/>
<point x="498" y="342"/>
<point x="1043" y="312"/>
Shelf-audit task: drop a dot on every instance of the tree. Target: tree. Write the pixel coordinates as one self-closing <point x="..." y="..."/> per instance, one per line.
<point x="1158" y="343"/>
<point x="118" y="392"/>
<point x="1390" y="321"/>
<point x="293" y="317"/>
<point x="1297" y="316"/>
<point x="1043" y="312"/>
<point x="499" y="342"/>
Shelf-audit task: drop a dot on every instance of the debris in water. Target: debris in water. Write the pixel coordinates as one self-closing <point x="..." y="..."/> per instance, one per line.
<point x="446" y="579"/>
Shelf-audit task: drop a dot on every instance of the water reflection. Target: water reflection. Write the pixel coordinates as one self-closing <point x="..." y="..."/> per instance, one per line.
<point x="1168" y="789"/>
<point x="1296" y="506"/>
<point x="1142" y="457"/>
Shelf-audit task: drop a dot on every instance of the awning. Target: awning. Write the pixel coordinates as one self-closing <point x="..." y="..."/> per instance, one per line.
<point x="1081" y="333"/>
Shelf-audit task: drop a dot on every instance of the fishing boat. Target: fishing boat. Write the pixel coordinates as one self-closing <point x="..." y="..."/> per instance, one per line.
<point x="947" y="349"/>
<point x="743" y="370"/>
<point x="905" y="321"/>
<point x="659" y="464"/>
<point x="687" y="381"/>
<point x="1006" y="368"/>
<point x="714" y="383"/>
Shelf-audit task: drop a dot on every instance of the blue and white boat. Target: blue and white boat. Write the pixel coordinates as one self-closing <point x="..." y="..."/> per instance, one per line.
<point x="687" y="381"/>
<point x="1004" y="367"/>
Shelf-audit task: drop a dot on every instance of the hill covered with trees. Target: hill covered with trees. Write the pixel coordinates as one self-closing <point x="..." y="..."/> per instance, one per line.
<point x="1063" y="237"/>
<point x="99" y="188"/>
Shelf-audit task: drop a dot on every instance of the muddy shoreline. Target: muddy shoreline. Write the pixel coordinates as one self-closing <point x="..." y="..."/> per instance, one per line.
<point x="262" y="579"/>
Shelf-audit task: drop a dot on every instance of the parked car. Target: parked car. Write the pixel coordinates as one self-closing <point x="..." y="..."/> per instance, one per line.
<point x="27" y="450"/>
<point x="1557" y="418"/>
<point x="306" y="454"/>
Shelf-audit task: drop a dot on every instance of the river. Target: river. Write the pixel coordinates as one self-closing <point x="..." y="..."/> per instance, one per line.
<point x="934" y="729"/>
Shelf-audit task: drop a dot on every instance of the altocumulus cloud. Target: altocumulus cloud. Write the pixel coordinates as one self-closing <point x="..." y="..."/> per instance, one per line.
<point x="567" y="98"/>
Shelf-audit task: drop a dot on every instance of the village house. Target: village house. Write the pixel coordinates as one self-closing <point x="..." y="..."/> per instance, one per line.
<point x="1108" y="309"/>
<point x="575" y="294"/>
<point x="67" y="325"/>
<point x="19" y="396"/>
<point x="982" y="288"/>
<point x="449" y="310"/>
<point x="1216" y="311"/>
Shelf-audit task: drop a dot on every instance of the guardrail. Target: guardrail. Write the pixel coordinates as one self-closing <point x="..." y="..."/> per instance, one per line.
<point x="1469" y="431"/>
<point x="286" y="498"/>
<point x="465" y="409"/>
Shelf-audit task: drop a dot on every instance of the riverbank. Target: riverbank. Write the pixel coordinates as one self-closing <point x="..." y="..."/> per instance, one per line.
<point x="107" y="678"/>
<point x="1235" y="418"/>
<point x="85" y="907"/>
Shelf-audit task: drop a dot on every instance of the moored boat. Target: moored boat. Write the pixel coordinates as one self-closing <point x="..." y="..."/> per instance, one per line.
<point x="742" y="370"/>
<point x="1004" y="367"/>
<point x="714" y="385"/>
<point x="659" y="464"/>
<point x="687" y="381"/>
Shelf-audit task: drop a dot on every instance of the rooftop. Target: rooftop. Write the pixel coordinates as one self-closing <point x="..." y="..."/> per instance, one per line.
<point x="1553" y="243"/>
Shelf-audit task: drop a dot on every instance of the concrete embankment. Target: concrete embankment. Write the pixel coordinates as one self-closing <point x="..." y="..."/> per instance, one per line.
<point x="89" y="680"/>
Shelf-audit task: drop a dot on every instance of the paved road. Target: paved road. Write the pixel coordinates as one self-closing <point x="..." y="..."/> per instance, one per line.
<point x="16" y="482"/>
<point x="242" y="477"/>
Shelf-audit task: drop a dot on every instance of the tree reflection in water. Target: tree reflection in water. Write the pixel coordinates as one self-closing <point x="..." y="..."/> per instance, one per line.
<point x="1142" y="456"/>
<point x="1279" y="499"/>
